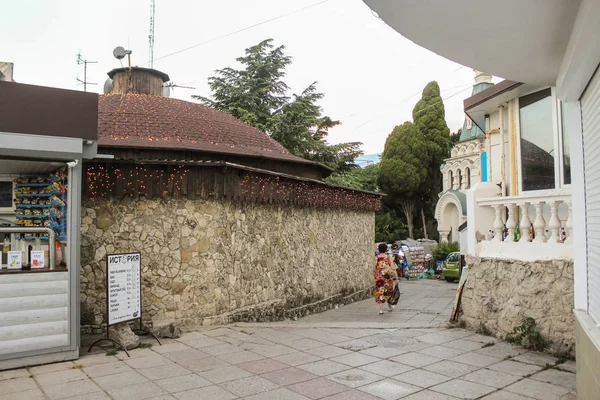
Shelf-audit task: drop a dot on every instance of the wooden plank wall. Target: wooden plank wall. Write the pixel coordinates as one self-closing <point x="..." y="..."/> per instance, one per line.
<point x="285" y="167"/>
<point x="119" y="180"/>
<point x="33" y="312"/>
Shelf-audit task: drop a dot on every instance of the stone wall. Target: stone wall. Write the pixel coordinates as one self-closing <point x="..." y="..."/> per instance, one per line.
<point x="213" y="261"/>
<point x="500" y="293"/>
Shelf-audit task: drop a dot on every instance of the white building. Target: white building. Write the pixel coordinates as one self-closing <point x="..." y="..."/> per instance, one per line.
<point x="548" y="116"/>
<point x="461" y="171"/>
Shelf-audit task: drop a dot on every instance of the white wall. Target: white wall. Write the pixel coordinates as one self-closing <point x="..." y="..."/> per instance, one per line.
<point x="495" y="154"/>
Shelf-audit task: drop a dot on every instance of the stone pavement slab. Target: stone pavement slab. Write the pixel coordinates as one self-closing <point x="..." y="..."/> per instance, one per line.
<point x="324" y="367"/>
<point x="16" y="385"/>
<point x="428" y="395"/>
<point x="389" y="389"/>
<point x="450" y="368"/>
<point x="463" y="389"/>
<point x="297" y="358"/>
<point x="556" y="377"/>
<point x="352" y="395"/>
<point x="249" y="386"/>
<point x="63" y="390"/>
<point x="289" y="376"/>
<point x="422" y="378"/>
<point x="31" y="394"/>
<point x="225" y="374"/>
<point x="491" y="378"/>
<point x="538" y="390"/>
<point x="318" y="388"/>
<point x="515" y="368"/>
<point x="138" y="391"/>
<point x="386" y="368"/>
<point x="416" y="360"/>
<point x="355" y="377"/>
<point x="182" y="383"/>
<point x="349" y="353"/>
<point x="206" y="393"/>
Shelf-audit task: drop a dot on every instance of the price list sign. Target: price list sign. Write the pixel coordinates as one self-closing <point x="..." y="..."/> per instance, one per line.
<point x="124" y="297"/>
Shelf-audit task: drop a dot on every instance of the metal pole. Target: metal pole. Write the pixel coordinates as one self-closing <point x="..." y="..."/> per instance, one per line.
<point x="85" y="75"/>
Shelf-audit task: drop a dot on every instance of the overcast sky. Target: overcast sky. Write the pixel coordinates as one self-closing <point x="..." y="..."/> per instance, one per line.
<point x="371" y="76"/>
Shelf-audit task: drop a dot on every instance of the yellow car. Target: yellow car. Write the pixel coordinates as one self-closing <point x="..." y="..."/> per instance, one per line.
<point x="451" y="271"/>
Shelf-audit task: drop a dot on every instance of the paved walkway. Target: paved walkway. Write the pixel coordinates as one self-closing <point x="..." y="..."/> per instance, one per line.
<point x="350" y="353"/>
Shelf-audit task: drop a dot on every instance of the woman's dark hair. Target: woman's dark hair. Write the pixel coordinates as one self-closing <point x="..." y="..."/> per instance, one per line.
<point x="382" y="247"/>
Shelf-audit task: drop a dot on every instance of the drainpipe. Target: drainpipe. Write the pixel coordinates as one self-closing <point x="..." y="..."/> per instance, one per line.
<point x="502" y="151"/>
<point x="488" y="150"/>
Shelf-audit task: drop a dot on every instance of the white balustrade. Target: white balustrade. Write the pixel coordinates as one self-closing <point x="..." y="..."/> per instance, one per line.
<point x="539" y="225"/>
<point x="546" y="224"/>
<point x="525" y="224"/>
<point x="498" y="223"/>
<point x="554" y="223"/>
<point x="569" y="222"/>
<point x="510" y="222"/>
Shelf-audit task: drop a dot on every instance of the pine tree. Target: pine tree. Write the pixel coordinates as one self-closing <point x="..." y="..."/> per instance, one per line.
<point x="429" y="119"/>
<point x="403" y="169"/>
<point x="257" y="95"/>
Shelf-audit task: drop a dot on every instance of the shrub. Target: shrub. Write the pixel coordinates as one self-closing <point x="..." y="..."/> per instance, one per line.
<point x="441" y="251"/>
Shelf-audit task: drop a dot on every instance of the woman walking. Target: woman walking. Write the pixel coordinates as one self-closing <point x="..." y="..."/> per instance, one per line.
<point x="384" y="274"/>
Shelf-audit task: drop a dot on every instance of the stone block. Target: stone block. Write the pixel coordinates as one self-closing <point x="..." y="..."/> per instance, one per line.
<point x="123" y="334"/>
<point x="166" y="328"/>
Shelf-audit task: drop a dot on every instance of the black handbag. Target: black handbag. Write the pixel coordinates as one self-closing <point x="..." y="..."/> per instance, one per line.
<point x="395" y="296"/>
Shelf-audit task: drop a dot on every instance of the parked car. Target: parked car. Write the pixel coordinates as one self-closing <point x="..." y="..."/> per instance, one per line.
<point x="451" y="271"/>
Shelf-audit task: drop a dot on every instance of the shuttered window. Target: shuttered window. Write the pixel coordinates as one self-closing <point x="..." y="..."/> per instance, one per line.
<point x="590" y="118"/>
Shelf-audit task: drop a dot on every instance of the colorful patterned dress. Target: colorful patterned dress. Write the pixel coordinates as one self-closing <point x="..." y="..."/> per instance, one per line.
<point x="384" y="285"/>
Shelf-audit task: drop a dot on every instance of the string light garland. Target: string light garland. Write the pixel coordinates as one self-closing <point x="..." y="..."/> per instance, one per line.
<point x="121" y="180"/>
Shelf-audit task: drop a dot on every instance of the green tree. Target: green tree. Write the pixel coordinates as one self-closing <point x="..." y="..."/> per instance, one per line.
<point x="255" y="92"/>
<point x="389" y="226"/>
<point x="403" y="169"/>
<point x="429" y="119"/>
<point x="454" y="138"/>
<point x="358" y="178"/>
<point x="257" y="95"/>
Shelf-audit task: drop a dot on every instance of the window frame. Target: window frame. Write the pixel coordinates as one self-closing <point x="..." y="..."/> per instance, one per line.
<point x="561" y="178"/>
<point x="557" y="140"/>
<point x="9" y="210"/>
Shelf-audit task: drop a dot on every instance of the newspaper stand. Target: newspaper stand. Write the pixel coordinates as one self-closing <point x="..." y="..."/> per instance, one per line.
<point x="123" y="294"/>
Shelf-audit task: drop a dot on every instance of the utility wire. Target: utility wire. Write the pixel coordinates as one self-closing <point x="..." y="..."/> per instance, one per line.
<point x="408" y="98"/>
<point x="441" y="101"/>
<point x="243" y="29"/>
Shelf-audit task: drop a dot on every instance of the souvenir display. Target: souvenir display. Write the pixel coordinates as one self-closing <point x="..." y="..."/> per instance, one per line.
<point x="41" y="201"/>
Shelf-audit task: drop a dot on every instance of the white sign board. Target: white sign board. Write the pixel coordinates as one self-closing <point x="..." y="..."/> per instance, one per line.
<point x="124" y="287"/>
<point x="37" y="259"/>
<point x="14" y="260"/>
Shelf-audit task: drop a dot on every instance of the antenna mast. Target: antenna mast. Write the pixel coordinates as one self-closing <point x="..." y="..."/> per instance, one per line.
<point x="80" y="61"/>
<point x="151" y="35"/>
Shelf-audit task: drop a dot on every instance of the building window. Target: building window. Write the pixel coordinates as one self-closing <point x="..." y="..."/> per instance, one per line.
<point x="537" y="141"/>
<point x="566" y="148"/>
<point x="459" y="173"/>
<point x="468" y="176"/>
<point x="6" y="195"/>
<point x="451" y="180"/>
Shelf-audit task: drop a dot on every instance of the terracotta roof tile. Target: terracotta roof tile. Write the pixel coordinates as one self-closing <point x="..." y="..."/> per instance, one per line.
<point x="143" y="121"/>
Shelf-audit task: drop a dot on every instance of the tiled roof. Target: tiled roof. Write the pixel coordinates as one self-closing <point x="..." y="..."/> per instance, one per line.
<point x="150" y="122"/>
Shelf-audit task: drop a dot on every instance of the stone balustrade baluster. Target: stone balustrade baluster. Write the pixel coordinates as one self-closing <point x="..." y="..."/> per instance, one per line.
<point x="569" y="223"/>
<point x="554" y="223"/>
<point x="511" y="223"/>
<point x="540" y="223"/>
<point x="525" y="224"/>
<point x="498" y="225"/>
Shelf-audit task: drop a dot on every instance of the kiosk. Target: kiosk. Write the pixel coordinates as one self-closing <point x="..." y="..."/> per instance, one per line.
<point x="45" y="134"/>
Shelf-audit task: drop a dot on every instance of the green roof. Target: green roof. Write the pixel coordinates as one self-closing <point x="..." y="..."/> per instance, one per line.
<point x="474" y="131"/>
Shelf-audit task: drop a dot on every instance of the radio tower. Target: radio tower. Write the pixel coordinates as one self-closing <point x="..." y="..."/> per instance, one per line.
<point x="151" y="35"/>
